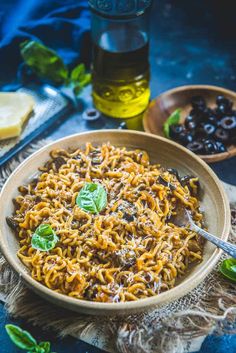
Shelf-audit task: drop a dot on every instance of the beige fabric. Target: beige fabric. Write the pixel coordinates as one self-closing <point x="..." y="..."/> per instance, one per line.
<point x="168" y="329"/>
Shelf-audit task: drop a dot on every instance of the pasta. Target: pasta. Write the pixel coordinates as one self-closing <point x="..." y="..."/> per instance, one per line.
<point x="132" y="249"/>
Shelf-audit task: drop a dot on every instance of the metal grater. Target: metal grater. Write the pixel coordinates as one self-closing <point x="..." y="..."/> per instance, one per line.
<point x="50" y="106"/>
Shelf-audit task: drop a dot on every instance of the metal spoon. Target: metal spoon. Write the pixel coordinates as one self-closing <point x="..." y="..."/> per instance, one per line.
<point x="184" y="216"/>
<point x="224" y="245"/>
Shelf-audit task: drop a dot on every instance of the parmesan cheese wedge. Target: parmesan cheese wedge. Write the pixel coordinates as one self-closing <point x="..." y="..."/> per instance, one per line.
<point x="15" y="108"/>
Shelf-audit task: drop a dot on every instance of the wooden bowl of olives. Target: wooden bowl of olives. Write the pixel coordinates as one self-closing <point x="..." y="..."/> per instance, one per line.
<point x="200" y="117"/>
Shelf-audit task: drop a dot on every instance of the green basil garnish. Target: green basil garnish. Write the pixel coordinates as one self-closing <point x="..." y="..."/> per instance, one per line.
<point x="79" y="78"/>
<point x="46" y="346"/>
<point x="44" y="238"/>
<point x="228" y="269"/>
<point x="92" y="198"/>
<point x="23" y="339"/>
<point x="173" y="119"/>
<point x="47" y="64"/>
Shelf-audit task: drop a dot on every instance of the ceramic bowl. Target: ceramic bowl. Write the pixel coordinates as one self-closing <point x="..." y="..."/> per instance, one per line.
<point x="169" y="154"/>
<point x="162" y="106"/>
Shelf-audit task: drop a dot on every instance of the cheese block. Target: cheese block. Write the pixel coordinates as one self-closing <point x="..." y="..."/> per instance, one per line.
<point x="15" y="108"/>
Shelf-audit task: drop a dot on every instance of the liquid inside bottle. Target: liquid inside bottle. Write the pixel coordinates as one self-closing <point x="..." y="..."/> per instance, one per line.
<point x="121" y="72"/>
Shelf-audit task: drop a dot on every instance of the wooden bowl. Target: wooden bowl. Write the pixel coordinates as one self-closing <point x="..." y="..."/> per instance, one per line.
<point x="161" y="108"/>
<point x="161" y="150"/>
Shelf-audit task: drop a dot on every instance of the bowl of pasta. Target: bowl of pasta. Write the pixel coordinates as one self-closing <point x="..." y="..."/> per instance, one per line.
<point x="88" y="221"/>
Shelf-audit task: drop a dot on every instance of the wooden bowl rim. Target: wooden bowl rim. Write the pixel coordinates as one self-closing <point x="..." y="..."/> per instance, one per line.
<point x="210" y="158"/>
<point x="96" y="308"/>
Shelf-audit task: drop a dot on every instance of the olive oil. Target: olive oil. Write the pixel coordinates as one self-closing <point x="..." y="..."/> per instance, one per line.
<point x="121" y="73"/>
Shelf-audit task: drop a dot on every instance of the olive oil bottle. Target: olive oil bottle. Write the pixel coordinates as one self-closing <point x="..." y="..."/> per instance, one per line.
<point x="120" y="68"/>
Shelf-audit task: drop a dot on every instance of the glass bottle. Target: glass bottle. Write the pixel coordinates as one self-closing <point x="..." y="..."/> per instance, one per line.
<point x="120" y="67"/>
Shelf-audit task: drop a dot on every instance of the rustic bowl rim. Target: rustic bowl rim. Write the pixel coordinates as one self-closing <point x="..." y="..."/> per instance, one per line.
<point x="114" y="308"/>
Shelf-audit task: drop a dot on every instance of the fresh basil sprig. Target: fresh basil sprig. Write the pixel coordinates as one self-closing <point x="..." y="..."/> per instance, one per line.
<point x="44" y="238"/>
<point x="173" y="119"/>
<point x="228" y="269"/>
<point x="92" y="198"/>
<point x="47" y="64"/>
<point x="79" y="78"/>
<point x="23" y="340"/>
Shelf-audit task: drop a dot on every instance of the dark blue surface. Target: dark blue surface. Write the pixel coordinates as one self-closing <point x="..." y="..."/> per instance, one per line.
<point x="61" y="25"/>
<point x="191" y="42"/>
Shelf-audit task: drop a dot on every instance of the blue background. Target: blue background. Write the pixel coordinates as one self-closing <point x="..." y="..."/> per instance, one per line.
<point x="191" y="42"/>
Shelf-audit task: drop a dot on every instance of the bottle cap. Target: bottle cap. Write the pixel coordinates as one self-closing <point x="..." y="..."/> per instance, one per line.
<point x="120" y="7"/>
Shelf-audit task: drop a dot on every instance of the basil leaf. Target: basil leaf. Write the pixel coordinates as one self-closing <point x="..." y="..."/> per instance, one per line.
<point x="22" y="339"/>
<point x="78" y="73"/>
<point x="92" y="198"/>
<point x="86" y="80"/>
<point x="228" y="269"/>
<point x="233" y="268"/>
<point x="46" y="346"/>
<point x="38" y="349"/>
<point x="44" y="230"/>
<point x="44" y="61"/>
<point x="173" y="119"/>
<point x="44" y="238"/>
<point x="79" y="85"/>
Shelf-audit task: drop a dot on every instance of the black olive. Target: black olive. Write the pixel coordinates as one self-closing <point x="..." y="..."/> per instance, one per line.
<point x="209" y="112"/>
<point x="228" y="122"/>
<point x="122" y="126"/>
<point x="23" y="189"/>
<point x="221" y="100"/>
<point x="223" y="110"/>
<point x="190" y="118"/>
<point x="175" y="130"/>
<point x="59" y="161"/>
<point x="12" y="223"/>
<point x="221" y="135"/>
<point x="162" y="181"/>
<point x="174" y="172"/>
<point x="185" y="181"/>
<point x="208" y="129"/>
<point x="190" y="124"/>
<point x="184" y="138"/>
<point x="196" y="147"/>
<point x="205" y="113"/>
<point x="196" y="115"/>
<point x="210" y="147"/>
<point x="198" y="102"/>
<point x="212" y="119"/>
<point x="221" y="147"/>
<point x="91" y="114"/>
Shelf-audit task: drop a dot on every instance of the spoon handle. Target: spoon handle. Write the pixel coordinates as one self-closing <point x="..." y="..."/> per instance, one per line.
<point x="224" y="245"/>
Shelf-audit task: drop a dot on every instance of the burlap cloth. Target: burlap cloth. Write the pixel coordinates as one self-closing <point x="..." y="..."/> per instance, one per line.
<point x="171" y="328"/>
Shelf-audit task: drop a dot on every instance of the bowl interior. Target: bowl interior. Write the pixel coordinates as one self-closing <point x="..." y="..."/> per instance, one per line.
<point x="161" y="108"/>
<point x="169" y="154"/>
